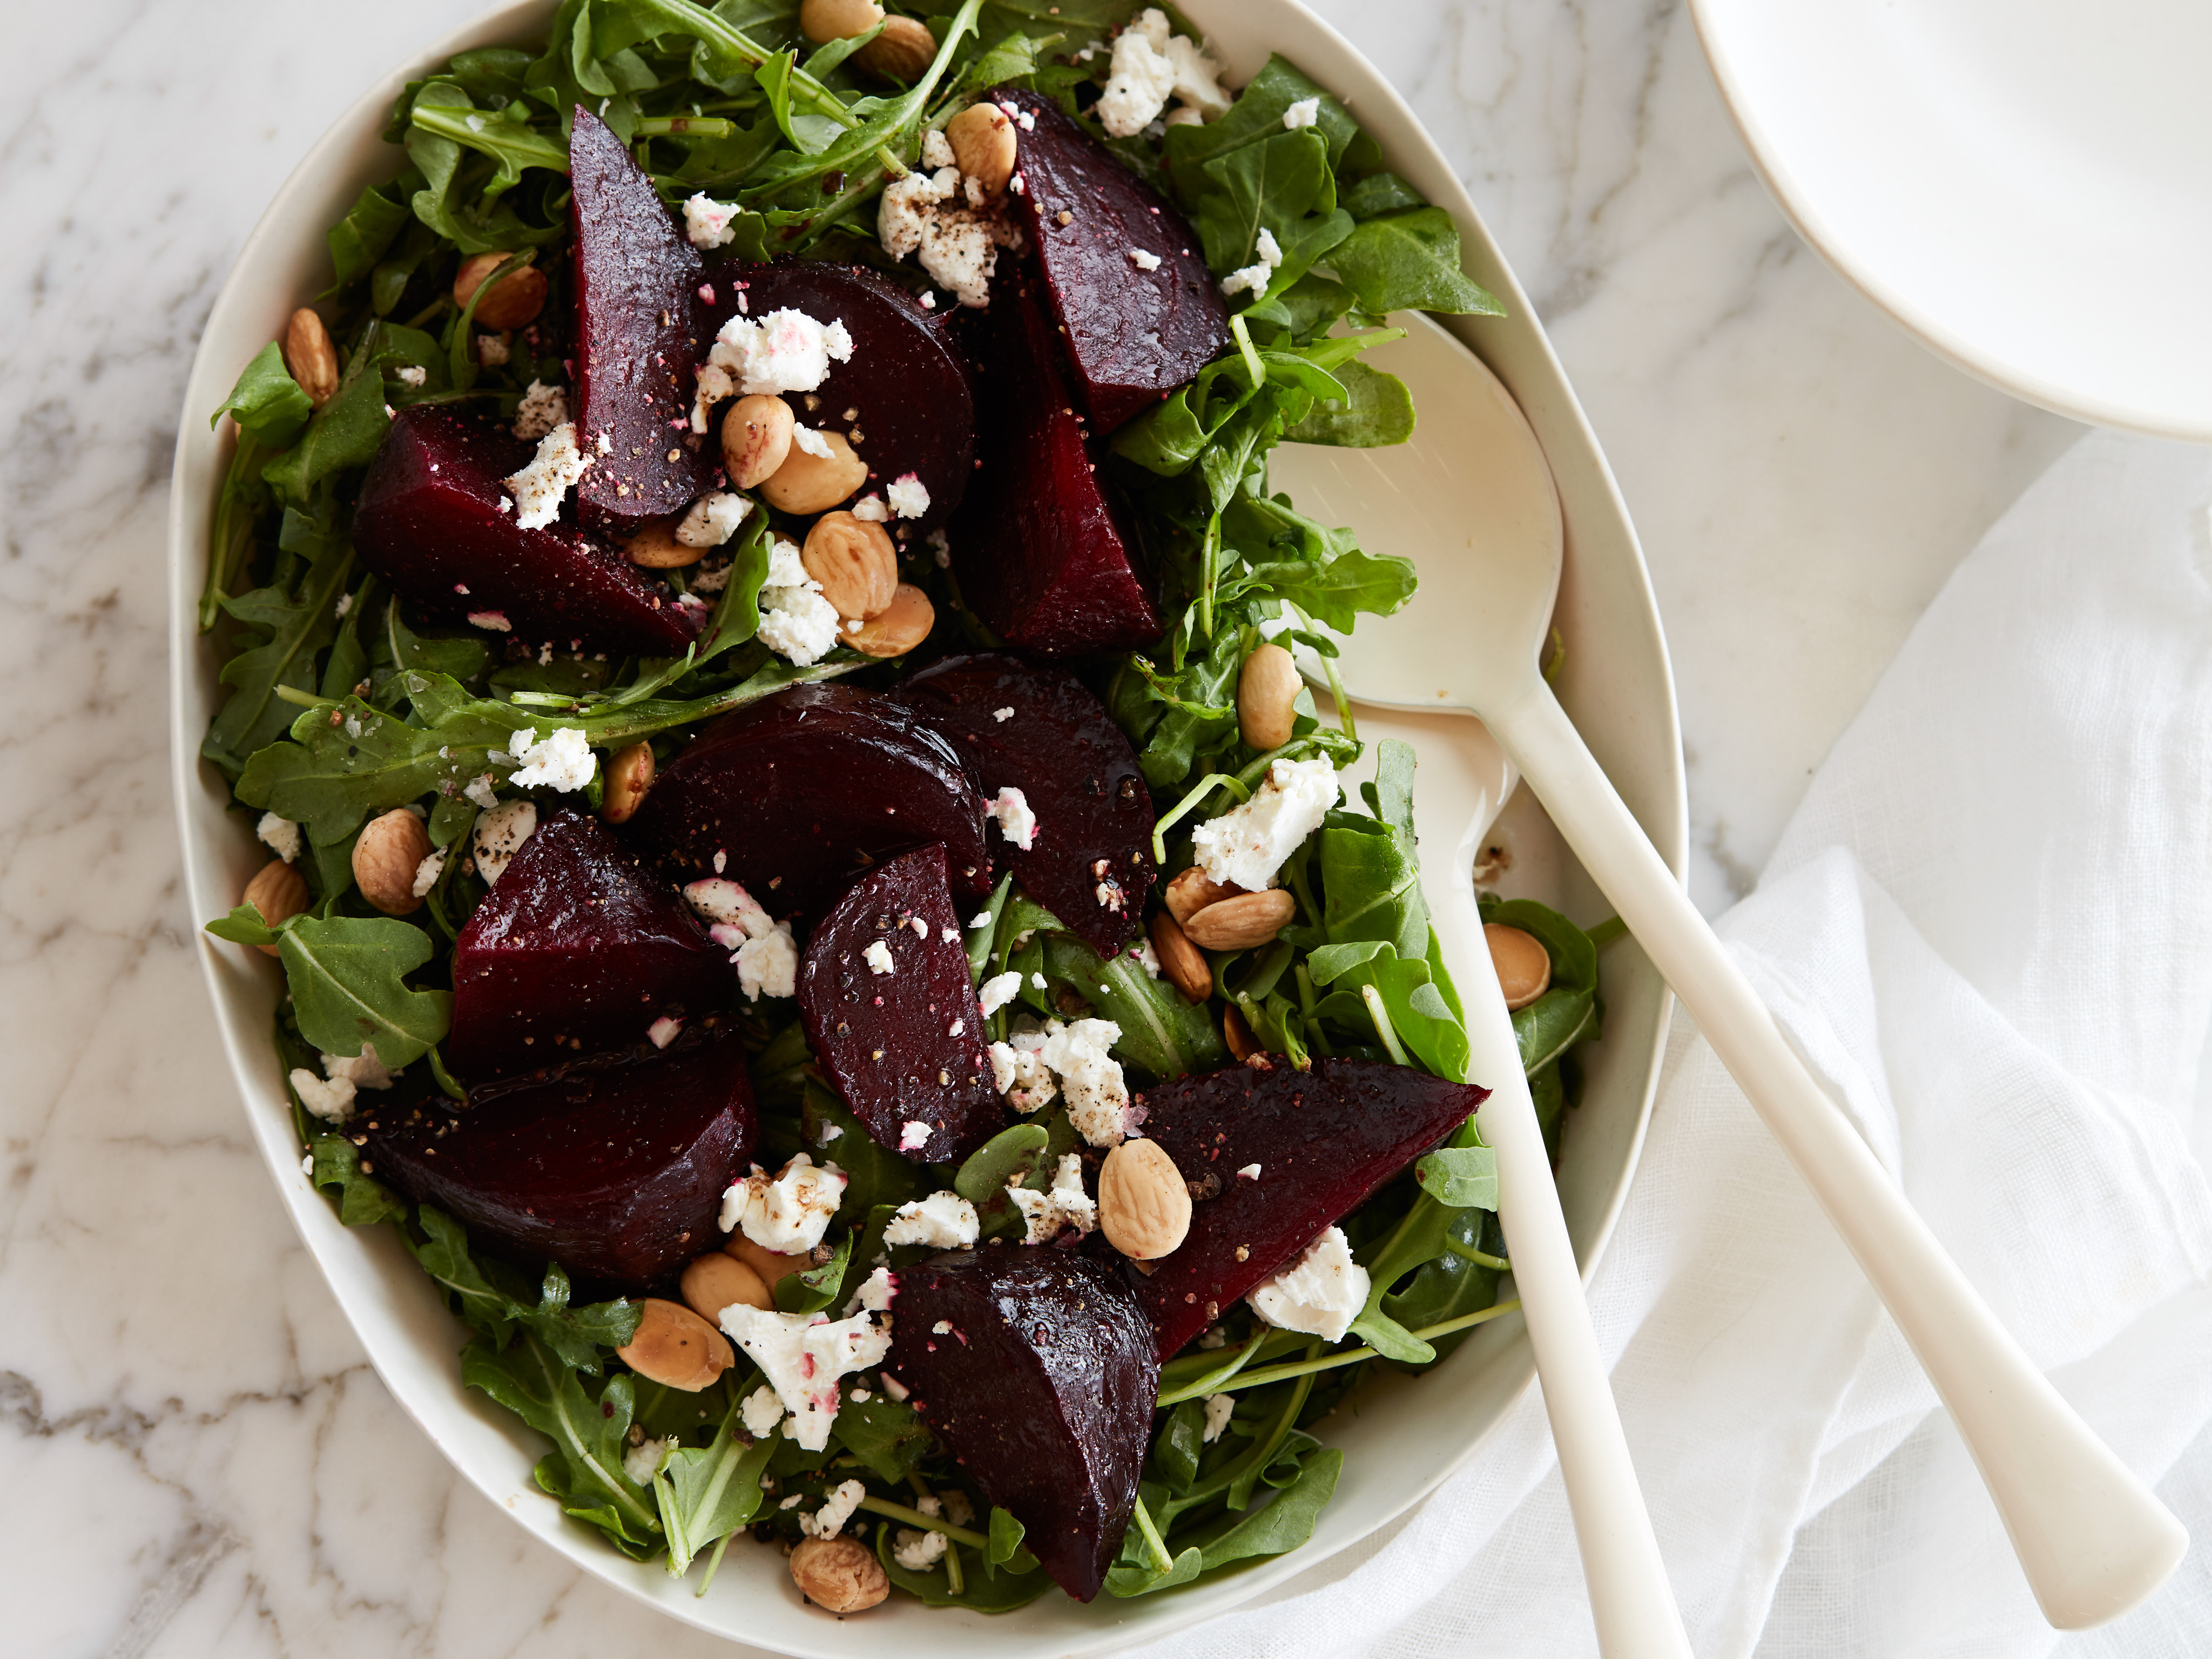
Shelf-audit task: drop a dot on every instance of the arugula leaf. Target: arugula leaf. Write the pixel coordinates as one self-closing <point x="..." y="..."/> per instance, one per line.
<point x="345" y="432"/>
<point x="1409" y="261"/>
<point x="817" y="1288"/>
<point x="266" y="401"/>
<point x="883" y="1434"/>
<point x="1288" y="1520"/>
<point x="705" y="1493"/>
<point x="346" y="975"/>
<point x="583" y="1469"/>
<point x="1378" y="409"/>
<point x="357" y="241"/>
<point x="363" y="1201"/>
<point x="289" y="630"/>
<point x="1012" y="1154"/>
<point x="488" y="1298"/>
<point x="1160" y="1032"/>
<point x="1460" y="1177"/>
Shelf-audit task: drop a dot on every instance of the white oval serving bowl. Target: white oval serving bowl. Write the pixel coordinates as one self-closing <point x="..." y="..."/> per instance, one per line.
<point x="1409" y="1436"/>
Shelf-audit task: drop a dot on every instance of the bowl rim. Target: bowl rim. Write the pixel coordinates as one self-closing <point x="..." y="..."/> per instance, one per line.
<point x="1515" y="346"/>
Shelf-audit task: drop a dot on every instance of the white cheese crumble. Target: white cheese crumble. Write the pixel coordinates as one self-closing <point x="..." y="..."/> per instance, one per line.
<point x="997" y="992"/>
<point x="1143" y="260"/>
<point x="1147" y="959"/>
<point x="908" y="496"/>
<point x="500" y="835"/>
<point x="495" y="620"/>
<point x="761" y="1412"/>
<point x="663" y="1031"/>
<point x="1319" y="1291"/>
<point x="1249" y="1172"/>
<point x="281" y="835"/>
<point x="1246" y="847"/>
<point x="1090" y="1080"/>
<point x="414" y="374"/>
<point x="363" y="1070"/>
<point x="1001" y="716"/>
<point x="1219" y="1408"/>
<point x="1021" y="1076"/>
<point x="713" y="519"/>
<point x="642" y="1461"/>
<point x="803" y="1355"/>
<point x="870" y="509"/>
<point x="810" y="441"/>
<point x="796" y="622"/>
<point x="878" y="956"/>
<point x="914" y="1136"/>
<point x="494" y="349"/>
<point x="540" y="487"/>
<point x="785" y="350"/>
<point x="981" y="918"/>
<point x="707" y="221"/>
<point x="1303" y="113"/>
<point x="331" y="1100"/>
<point x="1066" y="1206"/>
<point x="543" y="408"/>
<point x="562" y="760"/>
<point x="1011" y="808"/>
<point x="936" y="149"/>
<point x="787" y="1213"/>
<point x="958" y="247"/>
<point x="918" y="1552"/>
<point x="764" y="951"/>
<point x="830" y="1520"/>
<point x="943" y="1221"/>
<point x="428" y="872"/>
<point x="1140" y="78"/>
<point x="1255" y="276"/>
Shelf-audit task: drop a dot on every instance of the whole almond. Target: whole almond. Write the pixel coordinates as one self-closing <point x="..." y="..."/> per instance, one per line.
<point x="904" y="624"/>
<point x="823" y="21"/>
<point x="311" y="357"/>
<point x="514" y="303"/>
<point x="1238" y="1035"/>
<point x="839" y="1575"/>
<point x="717" y="1282"/>
<point x="385" y="859"/>
<point x="1183" y="962"/>
<point x="756" y="439"/>
<point x="278" y="892"/>
<point x="628" y="776"/>
<point x="807" y="483"/>
<point x="901" y="52"/>
<point x="1242" y="923"/>
<point x="655" y="547"/>
<point x="983" y="145"/>
<point x="772" y="1269"/>
<point x="1266" y="690"/>
<point x="1524" y="965"/>
<point x="1144" y="1208"/>
<point x="855" y="562"/>
<point x="1192" y="891"/>
<point x="676" y="1348"/>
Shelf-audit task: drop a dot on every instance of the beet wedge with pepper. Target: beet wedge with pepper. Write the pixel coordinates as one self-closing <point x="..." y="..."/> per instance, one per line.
<point x="1040" y="554"/>
<point x="615" y="1168"/>
<point x="1035" y="1368"/>
<point x="1040" y="731"/>
<point x="890" y="1013"/>
<point x="435" y="522"/>
<point x="578" y="948"/>
<point x="800" y="792"/>
<point x="637" y="281"/>
<point x="1325" y="1140"/>
<point x="1133" y="334"/>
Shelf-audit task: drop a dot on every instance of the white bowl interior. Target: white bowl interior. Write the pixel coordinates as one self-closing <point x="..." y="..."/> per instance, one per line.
<point x="1616" y="684"/>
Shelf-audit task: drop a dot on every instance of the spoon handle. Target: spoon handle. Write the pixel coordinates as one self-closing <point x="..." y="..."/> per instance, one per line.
<point x="2091" y="1536"/>
<point x="1629" y="1596"/>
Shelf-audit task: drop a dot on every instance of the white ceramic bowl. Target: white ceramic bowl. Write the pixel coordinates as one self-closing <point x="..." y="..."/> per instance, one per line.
<point x="1408" y="1436"/>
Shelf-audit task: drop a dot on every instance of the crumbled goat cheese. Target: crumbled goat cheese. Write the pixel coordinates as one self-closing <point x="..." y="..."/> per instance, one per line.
<point x="808" y="439"/>
<point x="787" y="1211"/>
<point x="1016" y="822"/>
<point x="479" y="790"/>
<point x="344" y="605"/>
<point x="1219" y="1408"/>
<point x="724" y="903"/>
<point x="914" y="1136"/>
<point x="766" y="955"/>
<point x="918" y="1552"/>
<point x="761" y="1412"/>
<point x="957" y="245"/>
<point x="981" y="918"/>
<point x="1268" y="248"/>
<point x="539" y="487"/>
<point x="1021" y="1076"/>
<point x="998" y="991"/>
<point x="1246" y="847"/>
<point x="769" y="965"/>
<point x="711" y="581"/>
<point x="1303" y="113"/>
<point x="830" y="1520"/>
<point x="494" y="349"/>
<point x="500" y="835"/>
<point x="1090" y="1080"/>
<point x="562" y="760"/>
<point x="363" y="1070"/>
<point x="414" y="374"/>
<point x="1140" y="77"/>
<point x="428" y="872"/>
<point x="936" y="150"/>
<point x="1197" y="80"/>
<point x="662" y="1031"/>
<point x="713" y="519"/>
<point x="1147" y="959"/>
<point x="784" y="351"/>
<point x="494" y="620"/>
<point x="908" y="496"/>
<point x="803" y="1355"/>
<point x="893" y="1387"/>
<point x="1001" y="716"/>
<point x="543" y="408"/>
<point x="1320" y="1293"/>
<point x="281" y="835"/>
<point x="950" y="936"/>
<point x="330" y="1099"/>
<point x="1143" y="260"/>
<point x="1256" y="275"/>
<point x="642" y="1461"/>
<point x="825" y="1133"/>
<point x="879" y="957"/>
<point x="943" y="1221"/>
<point x="796" y="620"/>
<point x="921" y="928"/>
<point x="870" y="509"/>
<point x="1066" y="1206"/>
<point x="707" y="221"/>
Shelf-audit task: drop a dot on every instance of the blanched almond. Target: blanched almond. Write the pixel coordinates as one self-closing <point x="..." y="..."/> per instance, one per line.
<point x="756" y="439"/>
<point x="676" y="1348"/>
<point x="904" y="624"/>
<point x="807" y="483"/>
<point x="855" y="562"/>
<point x="1183" y="962"/>
<point x="1267" y="688"/>
<point x="772" y="1267"/>
<point x="655" y="547"/>
<point x="1144" y="1207"/>
<point x="983" y="145"/>
<point x="1192" y="891"/>
<point x="278" y="892"/>
<point x="1524" y="965"/>
<point x="385" y="856"/>
<point x="839" y="1575"/>
<point x="628" y="776"/>
<point x="718" y="1281"/>
<point x="1244" y="922"/>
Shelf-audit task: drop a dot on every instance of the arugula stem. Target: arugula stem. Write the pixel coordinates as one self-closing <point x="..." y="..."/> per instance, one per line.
<point x="1199" y="792"/>
<point x="1605" y="931"/>
<point x="1336" y="691"/>
<point x="293" y="694"/>
<point x="703" y="126"/>
<point x="714" y="1560"/>
<point x="1267" y="1374"/>
<point x="1381" y="1016"/>
<point x="1163" y="1561"/>
<point x="1497" y="1264"/>
<point x="233" y="533"/>
<point x="952" y="1567"/>
<point x="974" y="1541"/>
<point x="646" y="721"/>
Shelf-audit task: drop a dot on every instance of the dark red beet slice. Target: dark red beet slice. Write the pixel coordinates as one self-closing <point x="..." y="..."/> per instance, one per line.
<point x="615" y="1170"/>
<point x="577" y="948"/>
<point x="1324" y="1140"/>
<point x="904" y="1047"/>
<point x="637" y="280"/>
<point x="1042" y="1391"/>
<point x="1040" y="557"/>
<point x="429" y="522"/>
<point x="1060" y="748"/>
<point x="1133" y="336"/>
<point x="803" y="790"/>
<point x="905" y="392"/>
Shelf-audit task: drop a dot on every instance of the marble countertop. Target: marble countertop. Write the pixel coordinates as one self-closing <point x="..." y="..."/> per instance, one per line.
<point x="198" y="1459"/>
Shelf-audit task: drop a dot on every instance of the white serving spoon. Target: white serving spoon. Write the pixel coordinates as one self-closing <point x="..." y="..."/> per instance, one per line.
<point x="2092" y="1537"/>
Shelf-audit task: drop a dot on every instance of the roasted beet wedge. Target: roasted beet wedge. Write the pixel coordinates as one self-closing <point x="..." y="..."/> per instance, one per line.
<point x="902" y="1046"/>
<point x="804" y="790"/>
<point x="637" y="281"/>
<point x="1037" y="730"/>
<point x="1039" y="554"/>
<point x="903" y="401"/>
<point x="578" y="948"/>
<point x="613" y="1168"/>
<point x="430" y="522"/>
<point x="1133" y="336"/>
<point x="1041" y="1389"/>
<point x="1324" y="1140"/>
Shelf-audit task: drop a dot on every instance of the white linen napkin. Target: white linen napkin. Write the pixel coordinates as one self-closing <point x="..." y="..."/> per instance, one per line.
<point x="1988" y="927"/>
